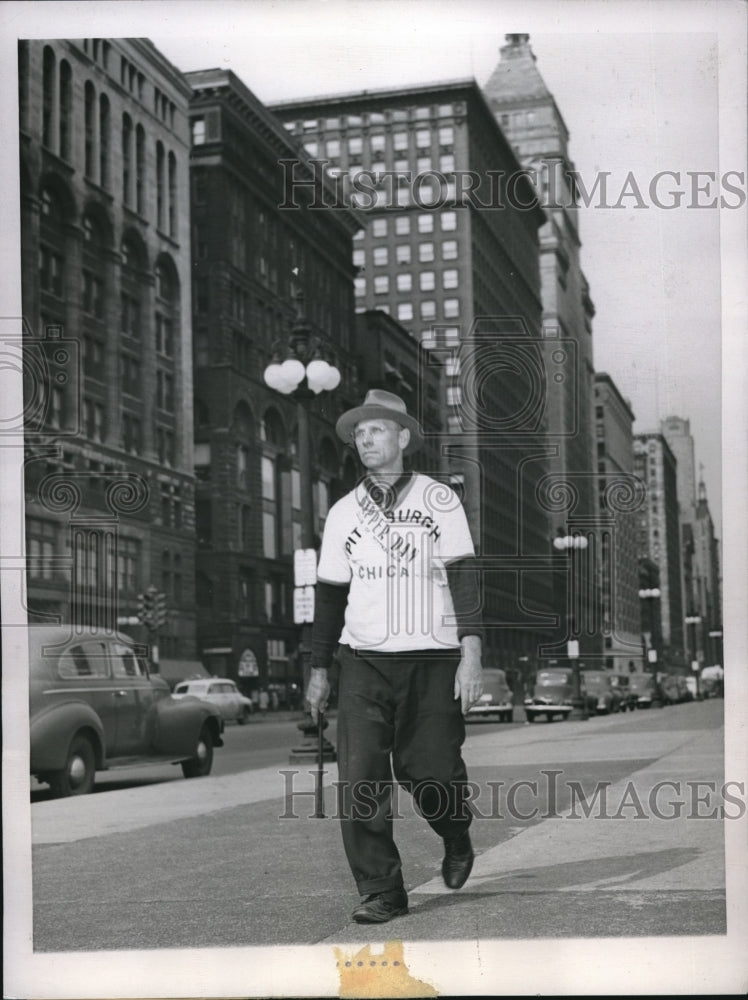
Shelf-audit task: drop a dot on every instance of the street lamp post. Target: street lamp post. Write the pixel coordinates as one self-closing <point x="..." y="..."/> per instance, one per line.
<point x="569" y="543"/>
<point x="649" y="595"/>
<point x="692" y="621"/>
<point x="300" y="370"/>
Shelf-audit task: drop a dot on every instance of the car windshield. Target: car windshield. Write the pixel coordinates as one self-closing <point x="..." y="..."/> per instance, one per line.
<point x="553" y="677"/>
<point x="641" y="682"/>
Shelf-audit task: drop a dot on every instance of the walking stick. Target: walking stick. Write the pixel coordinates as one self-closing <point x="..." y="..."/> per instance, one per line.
<point x="319" y="811"/>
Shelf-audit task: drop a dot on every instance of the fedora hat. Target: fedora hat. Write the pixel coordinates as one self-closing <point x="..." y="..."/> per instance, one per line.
<point x="382" y="405"/>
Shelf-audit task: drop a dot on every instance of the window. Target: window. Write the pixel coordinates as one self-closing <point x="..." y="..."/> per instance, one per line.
<point x="332" y="148"/>
<point x="131" y="433"/>
<point x="66" y="108"/>
<point x="381" y="285"/>
<point x="448" y="221"/>
<point x="124" y="662"/>
<point x="423" y="138"/>
<point x="93" y="300"/>
<point x="359" y="287"/>
<point x="159" y="185"/>
<point x="400" y="141"/>
<point x="269" y="546"/>
<point x="447" y="163"/>
<point x="87" y="659"/>
<point x="425" y="222"/>
<point x="164" y="336"/>
<point x="126" y="159"/>
<point x="405" y="311"/>
<point x="380" y="256"/>
<point x="128" y="562"/>
<point x="423" y="163"/>
<point x="104" y="140"/>
<point x="428" y="309"/>
<point x="355" y="145"/>
<point x="49" y="97"/>
<point x="379" y="227"/>
<point x="402" y="254"/>
<point x="426" y="281"/>
<point x="449" y="250"/>
<point x="377" y="143"/>
<point x="89" y="120"/>
<point x="165" y="391"/>
<point x="198" y="131"/>
<point x="423" y="113"/>
<point x="130" y="374"/>
<point x="50" y="271"/>
<point x="425" y="252"/>
<point x="446" y="136"/>
<point x="41" y="545"/>
<point x="93" y="356"/>
<point x="404" y="282"/>
<point x="402" y="225"/>
<point x="451" y="308"/>
<point x="359" y="257"/>
<point x="172" y="195"/>
<point x="449" y="278"/>
<point x="93" y="419"/>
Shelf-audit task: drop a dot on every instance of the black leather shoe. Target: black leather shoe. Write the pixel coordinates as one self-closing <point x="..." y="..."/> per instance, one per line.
<point x="381" y="907"/>
<point x="458" y="860"/>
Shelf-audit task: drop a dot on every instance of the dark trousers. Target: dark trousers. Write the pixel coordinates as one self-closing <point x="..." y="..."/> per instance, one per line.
<point x="400" y="708"/>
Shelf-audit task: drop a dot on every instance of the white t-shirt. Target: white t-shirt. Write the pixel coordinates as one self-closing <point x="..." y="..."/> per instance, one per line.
<point x="395" y="563"/>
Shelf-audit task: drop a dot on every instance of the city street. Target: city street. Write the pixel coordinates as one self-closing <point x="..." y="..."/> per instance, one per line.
<point x="154" y="861"/>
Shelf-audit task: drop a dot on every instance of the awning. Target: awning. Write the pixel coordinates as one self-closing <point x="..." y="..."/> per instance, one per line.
<point x="174" y="671"/>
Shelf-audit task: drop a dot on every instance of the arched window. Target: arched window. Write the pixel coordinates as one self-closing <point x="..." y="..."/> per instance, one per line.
<point x="172" y="195"/>
<point x="89" y="126"/>
<point x="126" y="159"/>
<point x="140" y="170"/>
<point x="49" y="97"/>
<point x="159" y="185"/>
<point x="104" y="140"/>
<point x="66" y="108"/>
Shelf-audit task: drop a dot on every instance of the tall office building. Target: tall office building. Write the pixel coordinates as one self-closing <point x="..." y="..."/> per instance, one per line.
<point x="618" y="501"/>
<point x="659" y="537"/>
<point x="252" y="259"/>
<point x="459" y="270"/>
<point x="528" y="115"/>
<point x="707" y="647"/>
<point x="106" y="298"/>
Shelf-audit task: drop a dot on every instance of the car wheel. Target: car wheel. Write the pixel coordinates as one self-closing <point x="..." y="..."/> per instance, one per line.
<point x="530" y="716"/>
<point x="244" y="717"/>
<point x="549" y="716"/>
<point x="77" y="777"/>
<point x="199" y="765"/>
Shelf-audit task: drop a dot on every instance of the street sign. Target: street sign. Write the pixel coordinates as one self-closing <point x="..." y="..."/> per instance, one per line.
<point x="303" y="605"/>
<point x="248" y="666"/>
<point x="652" y="655"/>
<point x="304" y="567"/>
<point x="132" y="620"/>
<point x="695" y="664"/>
<point x="572" y="649"/>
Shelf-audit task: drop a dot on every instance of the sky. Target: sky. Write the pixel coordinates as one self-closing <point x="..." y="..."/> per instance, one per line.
<point x="638" y="99"/>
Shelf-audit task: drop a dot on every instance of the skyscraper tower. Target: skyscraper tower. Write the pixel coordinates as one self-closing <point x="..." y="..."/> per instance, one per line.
<point x="525" y="109"/>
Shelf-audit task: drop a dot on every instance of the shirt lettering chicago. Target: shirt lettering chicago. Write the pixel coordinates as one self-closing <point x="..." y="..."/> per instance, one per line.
<point x="393" y="549"/>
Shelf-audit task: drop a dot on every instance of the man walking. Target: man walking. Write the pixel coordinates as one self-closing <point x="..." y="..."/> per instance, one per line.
<point x="397" y="588"/>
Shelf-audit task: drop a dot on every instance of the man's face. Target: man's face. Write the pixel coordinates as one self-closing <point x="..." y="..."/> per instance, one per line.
<point x="380" y="444"/>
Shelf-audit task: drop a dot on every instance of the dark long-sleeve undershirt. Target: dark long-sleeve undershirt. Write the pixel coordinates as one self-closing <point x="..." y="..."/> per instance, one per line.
<point x="331" y="599"/>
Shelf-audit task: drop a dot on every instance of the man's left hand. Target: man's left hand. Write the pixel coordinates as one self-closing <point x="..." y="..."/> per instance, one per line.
<point x="469" y="680"/>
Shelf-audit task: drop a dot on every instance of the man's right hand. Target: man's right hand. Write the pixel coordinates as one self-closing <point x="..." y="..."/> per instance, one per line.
<point x="318" y="692"/>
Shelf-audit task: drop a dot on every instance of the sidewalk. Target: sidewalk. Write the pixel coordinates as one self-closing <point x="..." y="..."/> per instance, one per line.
<point x="265" y="880"/>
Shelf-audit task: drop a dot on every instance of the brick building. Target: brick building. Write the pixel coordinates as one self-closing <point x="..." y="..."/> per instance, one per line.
<point x="245" y="249"/>
<point x="106" y="299"/>
<point x="531" y="120"/>
<point x="619" y="496"/>
<point x="459" y="270"/>
<point x="659" y="538"/>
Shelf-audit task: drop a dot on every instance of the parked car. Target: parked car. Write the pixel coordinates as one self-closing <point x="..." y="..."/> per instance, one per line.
<point x="224" y="694"/>
<point x="627" y="696"/>
<point x="552" y="694"/>
<point x="644" y="690"/>
<point x="94" y="704"/>
<point x="598" y="692"/>
<point x="497" y="698"/>
<point x="674" y="689"/>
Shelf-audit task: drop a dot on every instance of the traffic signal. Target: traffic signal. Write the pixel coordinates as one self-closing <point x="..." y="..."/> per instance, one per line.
<point x="152" y="608"/>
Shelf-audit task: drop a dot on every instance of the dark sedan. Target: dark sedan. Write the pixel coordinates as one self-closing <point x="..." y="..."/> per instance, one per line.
<point x="95" y="704"/>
